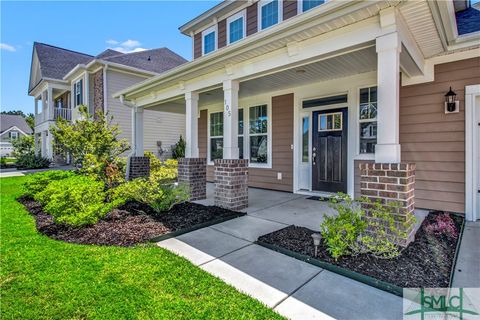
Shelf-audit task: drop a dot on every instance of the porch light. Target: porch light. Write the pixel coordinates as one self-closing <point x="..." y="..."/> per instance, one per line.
<point x="316" y="242"/>
<point x="451" y="102"/>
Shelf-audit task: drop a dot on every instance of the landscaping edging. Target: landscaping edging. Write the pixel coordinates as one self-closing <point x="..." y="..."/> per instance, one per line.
<point x="379" y="284"/>
<point x="198" y="226"/>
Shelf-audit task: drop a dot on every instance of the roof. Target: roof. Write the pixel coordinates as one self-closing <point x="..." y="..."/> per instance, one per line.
<point x="56" y="62"/>
<point x="156" y="60"/>
<point x="468" y="20"/>
<point x="7" y="121"/>
<point x="108" y="53"/>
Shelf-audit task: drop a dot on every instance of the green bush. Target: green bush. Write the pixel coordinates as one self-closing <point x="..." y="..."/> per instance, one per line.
<point x="351" y="232"/>
<point x="75" y="201"/>
<point x="37" y="182"/>
<point x="178" y="150"/>
<point x="32" y="161"/>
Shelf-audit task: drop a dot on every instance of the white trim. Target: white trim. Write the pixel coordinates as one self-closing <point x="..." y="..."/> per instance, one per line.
<point x="358" y="155"/>
<point x="12" y="128"/>
<point x="246" y="141"/>
<point x="206" y="32"/>
<point x="235" y="17"/>
<point x="263" y="3"/>
<point x="471" y="144"/>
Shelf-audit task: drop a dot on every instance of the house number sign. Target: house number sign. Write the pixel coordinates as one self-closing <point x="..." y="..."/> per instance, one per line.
<point x="227" y="109"/>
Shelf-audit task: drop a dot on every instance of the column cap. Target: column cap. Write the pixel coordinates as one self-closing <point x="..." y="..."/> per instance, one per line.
<point x="231" y="85"/>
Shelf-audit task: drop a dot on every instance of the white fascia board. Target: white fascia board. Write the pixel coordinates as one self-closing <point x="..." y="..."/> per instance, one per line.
<point x="74" y="72"/>
<point x="352" y="38"/>
<point x="12" y="128"/>
<point x="331" y="10"/>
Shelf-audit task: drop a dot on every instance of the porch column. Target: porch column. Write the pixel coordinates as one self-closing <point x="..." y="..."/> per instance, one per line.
<point x="230" y="119"/>
<point x="44" y="144"/>
<point x="36" y="110"/>
<point x="191" y="128"/>
<point x="138" y="164"/>
<point x="192" y="170"/>
<point x="231" y="173"/>
<point x="43" y="96"/>
<point x="49" y="144"/>
<point x="35" y="141"/>
<point x="50" y="104"/>
<point x="387" y="149"/>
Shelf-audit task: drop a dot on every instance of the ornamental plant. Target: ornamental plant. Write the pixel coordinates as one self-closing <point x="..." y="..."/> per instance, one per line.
<point x="178" y="150"/>
<point x="443" y="225"/>
<point x="94" y="144"/>
<point x="37" y="182"/>
<point x="24" y="151"/>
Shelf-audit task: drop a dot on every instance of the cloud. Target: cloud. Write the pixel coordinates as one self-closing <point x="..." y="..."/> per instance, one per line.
<point x="127" y="46"/>
<point x="4" y="46"/>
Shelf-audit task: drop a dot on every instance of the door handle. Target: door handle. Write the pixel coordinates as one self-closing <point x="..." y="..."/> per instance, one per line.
<point x="314" y="157"/>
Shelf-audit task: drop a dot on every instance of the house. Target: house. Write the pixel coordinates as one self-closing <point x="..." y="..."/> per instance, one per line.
<point x="61" y="80"/>
<point x="11" y="127"/>
<point x="315" y="97"/>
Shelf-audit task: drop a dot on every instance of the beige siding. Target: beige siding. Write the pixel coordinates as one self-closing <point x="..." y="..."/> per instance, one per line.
<point x="282" y="154"/>
<point x="158" y="126"/>
<point x="435" y="141"/>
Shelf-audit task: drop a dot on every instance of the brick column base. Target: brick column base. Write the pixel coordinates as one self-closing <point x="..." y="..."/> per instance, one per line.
<point x="231" y="184"/>
<point x="193" y="172"/>
<point x="389" y="183"/>
<point x="139" y="167"/>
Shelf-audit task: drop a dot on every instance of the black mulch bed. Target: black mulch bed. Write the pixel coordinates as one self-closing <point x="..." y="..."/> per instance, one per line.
<point x="128" y="225"/>
<point x="426" y="262"/>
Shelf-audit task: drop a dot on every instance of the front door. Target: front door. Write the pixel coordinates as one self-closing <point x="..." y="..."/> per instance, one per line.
<point x="329" y="150"/>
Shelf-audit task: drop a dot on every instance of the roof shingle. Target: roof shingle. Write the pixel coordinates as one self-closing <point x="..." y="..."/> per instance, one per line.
<point x="7" y="121"/>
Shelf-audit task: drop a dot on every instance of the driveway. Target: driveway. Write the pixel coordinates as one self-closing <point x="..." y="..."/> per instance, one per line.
<point x="295" y="289"/>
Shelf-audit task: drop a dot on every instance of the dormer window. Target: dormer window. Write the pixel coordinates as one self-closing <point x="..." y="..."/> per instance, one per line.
<point x="209" y="42"/>
<point x="269" y="12"/>
<point x="236" y="27"/>
<point x="305" y="5"/>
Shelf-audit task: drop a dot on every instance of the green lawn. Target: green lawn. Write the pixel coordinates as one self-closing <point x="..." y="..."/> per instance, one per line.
<point x="44" y="278"/>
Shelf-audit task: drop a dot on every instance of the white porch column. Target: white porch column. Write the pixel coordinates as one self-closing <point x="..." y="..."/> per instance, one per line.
<point x="387" y="149"/>
<point x="44" y="144"/>
<point x="230" y="119"/>
<point x="137" y="131"/>
<point x="50" y="104"/>
<point x="49" y="145"/>
<point x="44" y="105"/>
<point x="191" y="129"/>
<point x="35" y="142"/>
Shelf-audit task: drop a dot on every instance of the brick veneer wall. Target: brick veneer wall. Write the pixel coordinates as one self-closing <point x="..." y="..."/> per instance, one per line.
<point x="389" y="183"/>
<point x="139" y="167"/>
<point x="231" y="183"/>
<point x="193" y="172"/>
<point x="98" y="91"/>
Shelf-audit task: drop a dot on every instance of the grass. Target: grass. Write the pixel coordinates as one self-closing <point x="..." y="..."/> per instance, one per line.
<point x="41" y="278"/>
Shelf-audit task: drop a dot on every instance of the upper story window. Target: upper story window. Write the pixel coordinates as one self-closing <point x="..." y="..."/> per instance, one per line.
<point x="209" y="37"/>
<point x="306" y="5"/>
<point x="269" y="13"/>
<point x="78" y="92"/>
<point x="236" y="27"/>
<point x="13" y="135"/>
<point x="368" y="119"/>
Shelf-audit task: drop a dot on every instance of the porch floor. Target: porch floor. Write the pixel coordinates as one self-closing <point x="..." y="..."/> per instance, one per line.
<point x="295" y="289"/>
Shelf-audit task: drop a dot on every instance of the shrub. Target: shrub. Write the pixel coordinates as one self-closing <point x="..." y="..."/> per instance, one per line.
<point x="37" y="182"/>
<point x="352" y="232"/>
<point x="75" y="201"/>
<point x="443" y="225"/>
<point x="23" y="146"/>
<point x="178" y="150"/>
<point x="155" y="163"/>
<point x="32" y="161"/>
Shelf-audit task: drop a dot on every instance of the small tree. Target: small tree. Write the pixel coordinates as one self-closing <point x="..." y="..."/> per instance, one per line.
<point x="178" y="150"/>
<point x="23" y="145"/>
<point x="93" y="143"/>
<point x="24" y="151"/>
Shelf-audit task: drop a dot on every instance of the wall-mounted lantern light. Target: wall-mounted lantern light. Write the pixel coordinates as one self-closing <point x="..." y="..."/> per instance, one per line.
<point x="451" y="103"/>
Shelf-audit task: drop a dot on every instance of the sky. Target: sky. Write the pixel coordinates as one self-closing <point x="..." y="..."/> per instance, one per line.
<point x="86" y="26"/>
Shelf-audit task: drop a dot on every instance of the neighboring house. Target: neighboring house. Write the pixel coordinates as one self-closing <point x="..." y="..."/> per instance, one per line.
<point x="308" y="91"/>
<point x="61" y="80"/>
<point x="11" y="127"/>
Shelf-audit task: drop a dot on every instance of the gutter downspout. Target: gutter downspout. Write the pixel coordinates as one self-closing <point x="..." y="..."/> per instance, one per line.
<point x="129" y="104"/>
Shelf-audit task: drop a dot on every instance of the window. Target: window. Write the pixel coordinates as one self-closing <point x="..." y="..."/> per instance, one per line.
<point x="309" y="4"/>
<point x="216" y="135"/>
<point x="258" y="132"/>
<point x="368" y="119"/>
<point x="305" y="128"/>
<point x="13" y="135"/>
<point x="209" y="40"/>
<point x="78" y="92"/>
<point x="330" y="122"/>
<point x="270" y="13"/>
<point x="236" y="27"/>
<point x="59" y="103"/>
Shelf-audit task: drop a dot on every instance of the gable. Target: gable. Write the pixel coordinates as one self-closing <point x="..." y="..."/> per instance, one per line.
<point x="35" y="71"/>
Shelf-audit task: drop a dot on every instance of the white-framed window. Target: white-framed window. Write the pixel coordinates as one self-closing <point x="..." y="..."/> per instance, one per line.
<point x="78" y="92"/>
<point x="269" y="13"/>
<point x="305" y="5"/>
<point x="236" y="27"/>
<point x="209" y="40"/>
<point x="215" y="135"/>
<point x="305" y="138"/>
<point x="330" y="122"/>
<point x="367" y="118"/>
<point x="258" y="134"/>
<point x="13" y="135"/>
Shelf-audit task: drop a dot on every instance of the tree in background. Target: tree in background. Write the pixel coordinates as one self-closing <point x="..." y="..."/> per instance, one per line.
<point x="30" y="118"/>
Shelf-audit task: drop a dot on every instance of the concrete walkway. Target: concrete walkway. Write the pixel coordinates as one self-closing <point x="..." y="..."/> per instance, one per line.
<point x="467" y="271"/>
<point x="295" y="289"/>
<point x="6" y="173"/>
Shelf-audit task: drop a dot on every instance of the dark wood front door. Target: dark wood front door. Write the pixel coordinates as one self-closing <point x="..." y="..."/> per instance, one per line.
<point x="329" y="150"/>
